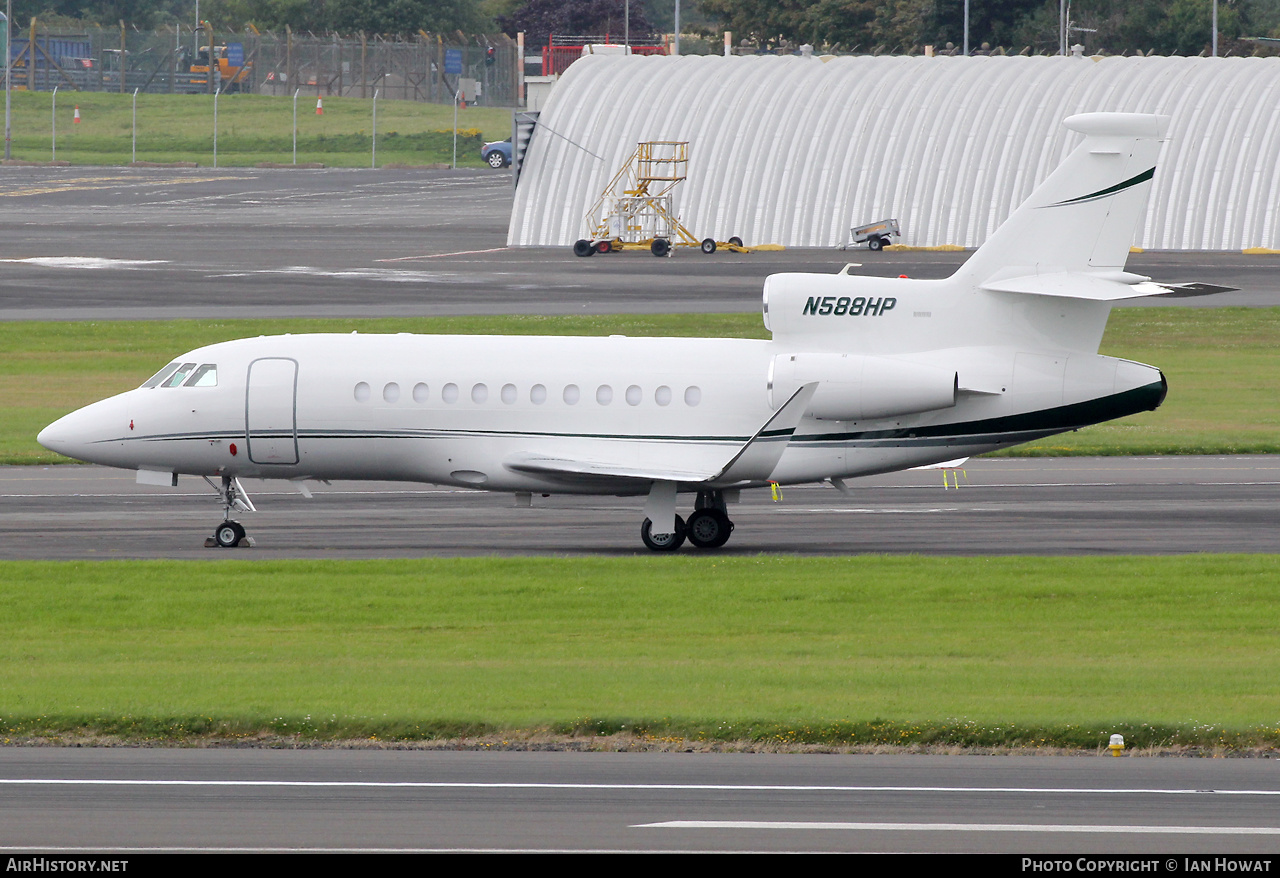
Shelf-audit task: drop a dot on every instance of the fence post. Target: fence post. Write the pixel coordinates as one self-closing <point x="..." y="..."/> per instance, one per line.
<point x="54" y="126"/>
<point x="295" y="124"/>
<point x="135" y="129"/>
<point x="8" y="87"/>
<point x="215" y="118"/>
<point x="374" y="161"/>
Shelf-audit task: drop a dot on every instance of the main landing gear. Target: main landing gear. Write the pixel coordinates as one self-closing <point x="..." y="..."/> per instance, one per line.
<point x="708" y="526"/>
<point x="230" y="533"/>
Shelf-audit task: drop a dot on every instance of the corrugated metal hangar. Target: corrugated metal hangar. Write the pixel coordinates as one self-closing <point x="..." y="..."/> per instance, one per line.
<point x="797" y="150"/>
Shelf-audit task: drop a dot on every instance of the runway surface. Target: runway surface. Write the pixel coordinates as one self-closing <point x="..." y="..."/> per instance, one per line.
<point x="64" y="801"/>
<point x="132" y="243"/>
<point x="1063" y="506"/>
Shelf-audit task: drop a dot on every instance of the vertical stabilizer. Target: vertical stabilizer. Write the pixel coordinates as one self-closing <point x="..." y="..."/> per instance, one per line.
<point x="1084" y="216"/>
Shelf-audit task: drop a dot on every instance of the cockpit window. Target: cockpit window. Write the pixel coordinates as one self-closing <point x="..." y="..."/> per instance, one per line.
<point x="205" y="376"/>
<point x="179" y="376"/>
<point x="160" y="376"/>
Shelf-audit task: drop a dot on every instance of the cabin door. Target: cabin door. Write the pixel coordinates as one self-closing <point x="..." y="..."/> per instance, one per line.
<point x="270" y="411"/>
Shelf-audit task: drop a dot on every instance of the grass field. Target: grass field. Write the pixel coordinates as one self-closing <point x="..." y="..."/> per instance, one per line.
<point x="251" y="129"/>
<point x="1222" y="365"/>
<point x="773" y="651"/>
<point x="758" y="652"/>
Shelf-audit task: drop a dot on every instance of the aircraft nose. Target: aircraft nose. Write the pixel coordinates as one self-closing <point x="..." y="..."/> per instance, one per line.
<point x="78" y="434"/>
<point x="65" y="435"/>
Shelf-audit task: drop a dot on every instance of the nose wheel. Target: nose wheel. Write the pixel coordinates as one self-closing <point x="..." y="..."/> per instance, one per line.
<point x="230" y="533"/>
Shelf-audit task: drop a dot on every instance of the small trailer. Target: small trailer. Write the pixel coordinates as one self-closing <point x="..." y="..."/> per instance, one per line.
<point x="875" y="235"/>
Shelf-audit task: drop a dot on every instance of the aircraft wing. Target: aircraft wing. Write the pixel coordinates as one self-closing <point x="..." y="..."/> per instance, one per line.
<point x="1103" y="287"/>
<point x="566" y="470"/>
<point x="754" y="461"/>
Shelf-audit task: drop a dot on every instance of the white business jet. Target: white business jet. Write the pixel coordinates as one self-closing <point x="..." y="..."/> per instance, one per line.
<point x="863" y="375"/>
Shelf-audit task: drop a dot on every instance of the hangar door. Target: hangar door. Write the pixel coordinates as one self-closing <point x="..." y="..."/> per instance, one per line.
<point x="270" y="411"/>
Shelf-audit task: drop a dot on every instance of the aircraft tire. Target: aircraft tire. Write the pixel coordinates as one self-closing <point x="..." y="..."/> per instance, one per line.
<point x="583" y="248"/>
<point x="229" y="534"/>
<point x="709" y="528"/>
<point x="662" y="542"/>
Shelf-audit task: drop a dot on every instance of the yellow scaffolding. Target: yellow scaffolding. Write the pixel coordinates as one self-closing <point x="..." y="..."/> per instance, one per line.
<point x="636" y="207"/>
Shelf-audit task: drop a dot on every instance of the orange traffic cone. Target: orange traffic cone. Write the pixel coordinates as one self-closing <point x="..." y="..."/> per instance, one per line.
<point x="462" y="99"/>
<point x="75" y="120"/>
<point x="319" y="107"/>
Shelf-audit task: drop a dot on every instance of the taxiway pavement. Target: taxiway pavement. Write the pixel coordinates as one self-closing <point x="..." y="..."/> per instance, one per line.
<point x="995" y="506"/>
<point x="133" y="243"/>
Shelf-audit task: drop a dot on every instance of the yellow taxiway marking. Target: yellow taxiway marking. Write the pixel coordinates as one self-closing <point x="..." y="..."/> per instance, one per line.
<point x="82" y="184"/>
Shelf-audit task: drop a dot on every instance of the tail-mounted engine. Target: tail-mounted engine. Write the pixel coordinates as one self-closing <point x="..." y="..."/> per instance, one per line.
<point x="856" y="388"/>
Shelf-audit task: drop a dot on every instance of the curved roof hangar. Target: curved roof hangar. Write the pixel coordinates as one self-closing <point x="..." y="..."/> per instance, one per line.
<point x="796" y="150"/>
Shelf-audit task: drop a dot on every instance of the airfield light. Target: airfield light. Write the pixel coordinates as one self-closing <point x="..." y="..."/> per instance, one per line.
<point x="1117" y="745"/>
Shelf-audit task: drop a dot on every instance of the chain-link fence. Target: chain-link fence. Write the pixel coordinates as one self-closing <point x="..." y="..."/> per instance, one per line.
<point x="176" y="60"/>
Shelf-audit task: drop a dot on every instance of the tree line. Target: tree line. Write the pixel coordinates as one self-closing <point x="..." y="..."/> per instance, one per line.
<point x="1115" y="26"/>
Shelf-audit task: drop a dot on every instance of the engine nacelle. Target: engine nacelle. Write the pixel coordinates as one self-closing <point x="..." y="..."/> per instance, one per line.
<point x="852" y="387"/>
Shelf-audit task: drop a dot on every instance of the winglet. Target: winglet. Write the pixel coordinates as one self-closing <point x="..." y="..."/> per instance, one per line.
<point x="756" y="460"/>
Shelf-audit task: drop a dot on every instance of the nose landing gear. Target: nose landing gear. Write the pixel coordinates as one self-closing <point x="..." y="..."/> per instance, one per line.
<point x="230" y="533"/>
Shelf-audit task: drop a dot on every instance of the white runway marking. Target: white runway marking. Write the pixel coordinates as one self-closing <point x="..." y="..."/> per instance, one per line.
<point x="861" y="510"/>
<point x="963" y="827"/>
<point x="390" y="275"/>
<point x="766" y="788"/>
<point x="438" y="255"/>
<point x="85" y="262"/>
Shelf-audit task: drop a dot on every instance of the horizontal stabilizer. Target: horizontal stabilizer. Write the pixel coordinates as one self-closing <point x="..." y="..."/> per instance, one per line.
<point x="1183" y="291"/>
<point x="1098" y="287"/>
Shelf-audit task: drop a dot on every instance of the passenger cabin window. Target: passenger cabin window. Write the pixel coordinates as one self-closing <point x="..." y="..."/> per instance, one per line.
<point x="205" y="376"/>
<point x="164" y="373"/>
<point x="176" y="379"/>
